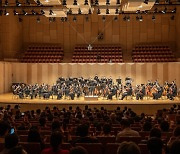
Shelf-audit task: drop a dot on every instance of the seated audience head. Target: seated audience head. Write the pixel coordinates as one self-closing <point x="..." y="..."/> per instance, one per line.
<point x="128" y="148"/>
<point x="17" y="150"/>
<point x="78" y="150"/>
<point x="42" y="121"/>
<point x="4" y="128"/>
<point x="155" y="132"/>
<point x="34" y="135"/>
<point x="56" y="140"/>
<point x="175" y="147"/>
<point x="147" y="126"/>
<point x="125" y="123"/>
<point x="164" y="126"/>
<point x="82" y="130"/>
<point x="155" y="145"/>
<point x="176" y="132"/>
<point x="56" y="125"/>
<point x="11" y="140"/>
<point x="106" y="129"/>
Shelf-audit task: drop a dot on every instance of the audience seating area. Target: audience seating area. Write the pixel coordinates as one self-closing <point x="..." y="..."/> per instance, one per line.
<point x="106" y="143"/>
<point x="98" y="54"/>
<point x="152" y="53"/>
<point x="43" y="54"/>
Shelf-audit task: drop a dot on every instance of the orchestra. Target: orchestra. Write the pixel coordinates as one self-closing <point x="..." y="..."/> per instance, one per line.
<point x="107" y="88"/>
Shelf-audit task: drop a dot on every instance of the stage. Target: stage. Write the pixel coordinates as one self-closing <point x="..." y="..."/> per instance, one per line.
<point x="148" y="106"/>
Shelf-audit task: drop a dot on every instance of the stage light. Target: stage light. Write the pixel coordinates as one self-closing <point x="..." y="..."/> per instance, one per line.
<point x="6" y="3"/>
<point x="146" y="1"/>
<point x="103" y="18"/>
<point x="75" y="2"/>
<point x="107" y="11"/>
<point x="96" y="2"/>
<point x="33" y="12"/>
<point x="18" y="3"/>
<point x="74" y="19"/>
<point x="51" y="12"/>
<point x="107" y="2"/>
<point x="164" y="11"/>
<point x="64" y="2"/>
<point x="15" y="12"/>
<point x="79" y="11"/>
<point x="6" y="13"/>
<point x="118" y="2"/>
<point x="174" y="10"/>
<point x="117" y="11"/>
<point x="172" y="17"/>
<point x="89" y="11"/>
<point x="153" y="18"/>
<point x="115" y="18"/>
<point x="98" y="11"/>
<point x="86" y="2"/>
<point x="38" y="20"/>
<point x="24" y="12"/>
<point x="42" y="12"/>
<point x="20" y="19"/>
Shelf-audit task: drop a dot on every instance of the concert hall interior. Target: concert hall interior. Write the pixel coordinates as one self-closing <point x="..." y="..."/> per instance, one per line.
<point x="105" y="55"/>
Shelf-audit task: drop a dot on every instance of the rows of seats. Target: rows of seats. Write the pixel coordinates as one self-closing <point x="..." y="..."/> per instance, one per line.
<point x="98" y="54"/>
<point x="152" y="53"/>
<point x="42" y="53"/>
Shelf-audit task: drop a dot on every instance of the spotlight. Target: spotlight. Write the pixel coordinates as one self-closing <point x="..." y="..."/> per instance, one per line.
<point x="164" y="11"/>
<point x="115" y="18"/>
<point x="146" y="1"/>
<point x="172" y="17"/>
<point x="107" y="2"/>
<point x="75" y="2"/>
<point x="33" y="12"/>
<point x="89" y="11"/>
<point x="98" y="11"/>
<point x="6" y="13"/>
<point x="6" y="3"/>
<point x="38" y="20"/>
<point x="107" y="11"/>
<point x="42" y="12"/>
<point x="64" y="2"/>
<point x="103" y="18"/>
<point x="18" y="3"/>
<point x="117" y="11"/>
<point x="96" y="2"/>
<point x="118" y="2"/>
<point x="24" y="12"/>
<point x="20" y="19"/>
<point x="153" y="18"/>
<point x="51" y="12"/>
<point x="86" y="2"/>
<point x="79" y="11"/>
<point x="15" y="12"/>
<point x="174" y="10"/>
<point x="74" y="19"/>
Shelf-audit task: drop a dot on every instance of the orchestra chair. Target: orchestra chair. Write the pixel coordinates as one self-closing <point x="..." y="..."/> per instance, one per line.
<point x="92" y="148"/>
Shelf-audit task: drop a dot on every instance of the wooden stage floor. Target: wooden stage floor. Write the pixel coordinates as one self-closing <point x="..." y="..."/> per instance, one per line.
<point x="148" y="106"/>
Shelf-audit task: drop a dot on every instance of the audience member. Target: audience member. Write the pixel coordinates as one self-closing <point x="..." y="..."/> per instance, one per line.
<point x="55" y="141"/>
<point x="147" y="126"/>
<point x="126" y="130"/>
<point x="164" y="126"/>
<point x="78" y="150"/>
<point x="17" y="150"/>
<point x="155" y="132"/>
<point x="128" y="148"/>
<point x="107" y="129"/>
<point x="4" y="129"/>
<point x="175" y="147"/>
<point x="155" y="145"/>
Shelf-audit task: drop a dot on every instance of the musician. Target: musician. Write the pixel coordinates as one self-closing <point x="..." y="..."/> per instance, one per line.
<point x="127" y="91"/>
<point x="140" y="91"/>
<point x="172" y="92"/>
<point x="158" y="90"/>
